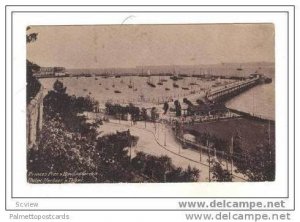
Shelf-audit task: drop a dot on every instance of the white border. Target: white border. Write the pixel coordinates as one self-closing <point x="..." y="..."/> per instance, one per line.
<point x="22" y="188"/>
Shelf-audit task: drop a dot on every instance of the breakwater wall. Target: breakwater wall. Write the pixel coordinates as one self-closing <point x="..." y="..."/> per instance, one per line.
<point x="251" y="116"/>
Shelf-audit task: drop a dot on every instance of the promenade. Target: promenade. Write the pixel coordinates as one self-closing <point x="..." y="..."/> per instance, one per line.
<point x="157" y="139"/>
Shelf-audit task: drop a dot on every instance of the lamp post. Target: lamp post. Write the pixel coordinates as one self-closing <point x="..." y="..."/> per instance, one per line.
<point x="208" y="164"/>
<point x="165" y="140"/>
<point x="200" y="154"/>
<point x="231" y="153"/>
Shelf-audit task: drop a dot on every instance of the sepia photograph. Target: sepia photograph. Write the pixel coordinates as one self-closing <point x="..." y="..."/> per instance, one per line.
<point x="172" y="103"/>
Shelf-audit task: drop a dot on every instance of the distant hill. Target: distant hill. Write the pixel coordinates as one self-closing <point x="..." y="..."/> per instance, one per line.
<point x="226" y="69"/>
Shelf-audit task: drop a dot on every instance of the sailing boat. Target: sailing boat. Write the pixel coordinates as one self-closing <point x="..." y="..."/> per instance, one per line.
<point x="163" y="80"/>
<point x="175" y="76"/>
<point x="149" y="82"/>
<point x="160" y="82"/>
<point x="184" y="87"/>
<point x="175" y="85"/>
<point x="240" y="68"/>
<point x="130" y="85"/>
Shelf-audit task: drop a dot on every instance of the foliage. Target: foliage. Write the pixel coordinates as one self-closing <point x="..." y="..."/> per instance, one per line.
<point x="120" y="111"/>
<point x="190" y="109"/>
<point x="59" y="105"/>
<point x="60" y="151"/>
<point x="218" y="143"/>
<point x="161" y="169"/>
<point x="177" y="108"/>
<point x="144" y="115"/>
<point x="220" y="174"/>
<point x="70" y="151"/>
<point x="200" y="102"/>
<point x="154" y="114"/>
<point x="114" y="163"/>
<point x="31" y="37"/>
<point x="107" y="160"/>
<point x="33" y="85"/>
<point x="258" y="165"/>
<point x="166" y="107"/>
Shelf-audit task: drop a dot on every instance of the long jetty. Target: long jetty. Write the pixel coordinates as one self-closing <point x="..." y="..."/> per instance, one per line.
<point x="230" y="91"/>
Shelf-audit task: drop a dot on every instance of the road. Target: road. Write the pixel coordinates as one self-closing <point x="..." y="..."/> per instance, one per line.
<point x="157" y="140"/>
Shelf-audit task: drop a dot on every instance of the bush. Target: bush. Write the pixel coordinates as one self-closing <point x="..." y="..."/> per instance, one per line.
<point x="33" y="85"/>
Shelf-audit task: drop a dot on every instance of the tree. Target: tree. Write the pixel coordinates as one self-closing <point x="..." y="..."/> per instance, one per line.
<point x="154" y="114"/>
<point x="58" y="87"/>
<point x="59" y="105"/>
<point x="61" y="151"/>
<point x="166" y="107"/>
<point x="144" y="114"/>
<point x="200" y="102"/>
<point x="220" y="174"/>
<point x="177" y="108"/>
<point x="161" y="169"/>
<point x="31" y="37"/>
<point x="134" y="112"/>
<point x="33" y="85"/>
<point x="258" y="165"/>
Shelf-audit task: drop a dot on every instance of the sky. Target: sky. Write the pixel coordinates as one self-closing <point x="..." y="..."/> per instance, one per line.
<point x="108" y="46"/>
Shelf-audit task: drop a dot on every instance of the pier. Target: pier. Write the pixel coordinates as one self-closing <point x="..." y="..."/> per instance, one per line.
<point x="229" y="91"/>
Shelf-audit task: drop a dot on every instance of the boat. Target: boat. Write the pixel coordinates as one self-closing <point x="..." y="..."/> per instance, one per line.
<point x="240" y="68"/>
<point x="184" y="87"/>
<point x="174" y="78"/>
<point x="181" y="76"/>
<point x="160" y="82"/>
<point x="177" y="77"/>
<point x="117" y="91"/>
<point x="130" y="85"/>
<point x="150" y="83"/>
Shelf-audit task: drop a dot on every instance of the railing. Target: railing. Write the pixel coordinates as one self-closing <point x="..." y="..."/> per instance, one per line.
<point x="232" y="89"/>
<point x="210" y="151"/>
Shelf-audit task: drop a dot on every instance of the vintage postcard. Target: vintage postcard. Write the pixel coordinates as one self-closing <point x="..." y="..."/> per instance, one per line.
<point x="150" y="103"/>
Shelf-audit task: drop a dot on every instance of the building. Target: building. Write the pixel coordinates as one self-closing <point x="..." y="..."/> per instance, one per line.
<point x="48" y="72"/>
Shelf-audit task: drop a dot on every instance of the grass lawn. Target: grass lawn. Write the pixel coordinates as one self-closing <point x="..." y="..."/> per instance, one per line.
<point x="251" y="132"/>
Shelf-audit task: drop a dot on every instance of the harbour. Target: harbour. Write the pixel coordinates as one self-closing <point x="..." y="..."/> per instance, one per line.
<point x="136" y="113"/>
